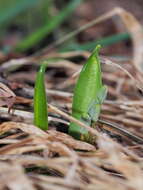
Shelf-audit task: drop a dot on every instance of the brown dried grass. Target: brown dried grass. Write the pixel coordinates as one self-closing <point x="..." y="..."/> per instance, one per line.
<point x="33" y="159"/>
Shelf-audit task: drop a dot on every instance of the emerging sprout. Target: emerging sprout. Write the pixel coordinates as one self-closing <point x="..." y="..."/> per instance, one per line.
<point x="40" y="100"/>
<point x="89" y="94"/>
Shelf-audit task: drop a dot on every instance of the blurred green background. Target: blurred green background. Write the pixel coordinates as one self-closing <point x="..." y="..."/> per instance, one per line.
<point x="27" y="26"/>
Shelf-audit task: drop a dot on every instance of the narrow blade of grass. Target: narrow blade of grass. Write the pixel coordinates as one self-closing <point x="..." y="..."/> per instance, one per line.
<point x="90" y="45"/>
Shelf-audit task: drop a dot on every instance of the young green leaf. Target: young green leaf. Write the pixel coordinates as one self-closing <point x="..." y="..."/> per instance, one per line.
<point x="89" y="94"/>
<point x="40" y="100"/>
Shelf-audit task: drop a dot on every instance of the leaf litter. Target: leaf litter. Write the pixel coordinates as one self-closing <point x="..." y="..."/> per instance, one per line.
<point x="34" y="159"/>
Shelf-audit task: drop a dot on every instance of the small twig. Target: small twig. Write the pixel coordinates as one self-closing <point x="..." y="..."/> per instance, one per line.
<point x="56" y="110"/>
<point x="50" y="92"/>
<point x="95" y="132"/>
<point x="101" y="18"/>
<point x="109" y="62"/>
<point x="25" y="115"/>
<point x="121" y="131"/>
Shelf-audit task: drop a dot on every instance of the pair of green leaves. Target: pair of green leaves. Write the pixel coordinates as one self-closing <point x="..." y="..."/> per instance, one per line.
<point x="89" y="94"/>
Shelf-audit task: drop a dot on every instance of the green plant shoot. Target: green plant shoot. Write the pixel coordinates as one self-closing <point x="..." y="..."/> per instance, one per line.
<point x="40" y="100"/>
<point x="89" y="94"/>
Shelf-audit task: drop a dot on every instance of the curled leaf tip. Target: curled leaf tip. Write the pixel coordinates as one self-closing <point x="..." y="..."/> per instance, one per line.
<point x="96" y="50"/>
<point x="43" y="65"/>
<point x="98" y="47"/>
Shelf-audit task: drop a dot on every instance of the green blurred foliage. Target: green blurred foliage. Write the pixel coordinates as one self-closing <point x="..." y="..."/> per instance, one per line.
<point x="37" y="20"/>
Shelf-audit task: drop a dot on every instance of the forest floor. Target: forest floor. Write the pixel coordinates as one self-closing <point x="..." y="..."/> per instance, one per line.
<point x="33" y="159"/>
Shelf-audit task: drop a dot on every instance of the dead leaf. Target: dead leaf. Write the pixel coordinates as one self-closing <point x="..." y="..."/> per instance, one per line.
<point x="22" y="100"/>
<point x="27" y="128"/>
<point x="7" y="97"/>
<point x="51" y="135"/>
<point x="69" y="141"/>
